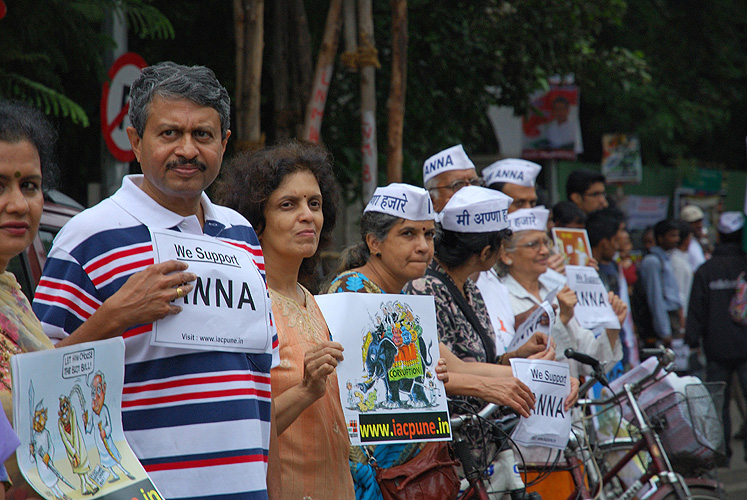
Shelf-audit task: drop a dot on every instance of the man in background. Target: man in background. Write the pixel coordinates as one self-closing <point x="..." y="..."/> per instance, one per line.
<point x="587" y="189"/>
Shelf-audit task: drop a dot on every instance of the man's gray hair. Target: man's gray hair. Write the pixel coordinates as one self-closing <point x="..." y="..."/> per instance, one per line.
<point x="175" y="81"/>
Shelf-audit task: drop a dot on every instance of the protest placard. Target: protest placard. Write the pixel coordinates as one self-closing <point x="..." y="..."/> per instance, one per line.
<point x="593" y="308"/>
<point x="549" y="424"/>
<point x="542" y="320"/>
<point x="388" y="385"/>
<point x="228" y="309"/>
<point x="574" y="244"/>
<point x="67" y="410"/>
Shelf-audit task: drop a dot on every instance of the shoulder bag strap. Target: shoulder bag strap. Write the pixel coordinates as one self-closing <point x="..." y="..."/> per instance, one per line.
<point x="468" y="312"/>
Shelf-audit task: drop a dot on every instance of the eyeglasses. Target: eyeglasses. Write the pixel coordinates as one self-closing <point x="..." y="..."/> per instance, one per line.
<point x="535" y="245"/>
<point x="596" y="194"/>
<point x="457" y="185"/>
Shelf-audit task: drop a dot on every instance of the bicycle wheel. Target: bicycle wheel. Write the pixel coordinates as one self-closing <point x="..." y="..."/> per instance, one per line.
<point x="699" y="490"/>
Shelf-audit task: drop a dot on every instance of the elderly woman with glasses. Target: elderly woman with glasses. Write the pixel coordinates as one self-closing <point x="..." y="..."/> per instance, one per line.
<point x="522" y="263"/>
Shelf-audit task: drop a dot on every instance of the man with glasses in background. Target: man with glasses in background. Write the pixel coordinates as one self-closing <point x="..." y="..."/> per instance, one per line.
<point x="587" y="189"/>
<point x="447" y="172"/>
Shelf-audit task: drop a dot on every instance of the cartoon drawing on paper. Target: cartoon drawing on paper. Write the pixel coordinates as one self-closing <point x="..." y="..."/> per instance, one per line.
<point x="394" y="352"/>
<point x="109" y="456"/>
<point x="41" y="448"/>
<point x="72" y="438"/>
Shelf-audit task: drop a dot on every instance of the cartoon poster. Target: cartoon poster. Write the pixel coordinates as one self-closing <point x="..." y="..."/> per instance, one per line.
<point x="388" y="384"/>
<point x="574" y="244"/>
<point x="552" y="130"/>
<point x="621" y="158"/>
<point x="67" y="413"/>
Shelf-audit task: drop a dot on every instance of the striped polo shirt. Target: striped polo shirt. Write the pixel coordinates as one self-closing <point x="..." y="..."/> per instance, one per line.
<point x="199" y="421"/>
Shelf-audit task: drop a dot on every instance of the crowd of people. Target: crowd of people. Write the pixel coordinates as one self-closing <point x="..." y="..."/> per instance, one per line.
<point x="266" y="421"/>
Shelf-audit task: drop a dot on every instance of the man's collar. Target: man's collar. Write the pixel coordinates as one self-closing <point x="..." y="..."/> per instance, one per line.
<point x="142" y="207"/>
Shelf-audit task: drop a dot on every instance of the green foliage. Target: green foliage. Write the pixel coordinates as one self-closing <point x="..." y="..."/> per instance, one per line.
<point x="459" y="49"/>
<point x="43" y="43"/>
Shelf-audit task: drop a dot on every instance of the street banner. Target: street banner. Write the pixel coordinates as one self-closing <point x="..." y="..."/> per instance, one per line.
<point x="549" y="424"/>
<point x="541" y="319"/>
<point x="67" y="410"/>
<point x="621" y="159"/>
<point x="388" y="385"/>
<point x="228" y="308"/>
<point x="593" y="308"/>
<point x="552" y="129"/>
<point x="644" y="211"/>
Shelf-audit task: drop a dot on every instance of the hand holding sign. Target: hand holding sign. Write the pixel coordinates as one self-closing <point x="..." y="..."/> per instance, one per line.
<point x="567" y="300"/>
<point x="619" y="306"/>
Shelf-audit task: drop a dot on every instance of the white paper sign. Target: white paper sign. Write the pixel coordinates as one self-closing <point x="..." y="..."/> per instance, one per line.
<point x="593" y="308"/>
<point x="228" y="308"/>
<point x="542" y="320"/>
<point x="388" y="385"/>
<point x="67" y="409"/>
<point x="549" y="424"/>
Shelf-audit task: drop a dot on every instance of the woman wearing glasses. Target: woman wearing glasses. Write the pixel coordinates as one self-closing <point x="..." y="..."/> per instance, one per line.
<point x="523" y="261"/>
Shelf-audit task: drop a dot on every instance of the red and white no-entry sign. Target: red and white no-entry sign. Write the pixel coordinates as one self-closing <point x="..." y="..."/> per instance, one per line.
<point x="115" y="103"/>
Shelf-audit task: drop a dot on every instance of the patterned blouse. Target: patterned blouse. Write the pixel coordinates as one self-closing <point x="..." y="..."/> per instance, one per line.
<point x="454" y="329"/>
<point x="387" y="455"/>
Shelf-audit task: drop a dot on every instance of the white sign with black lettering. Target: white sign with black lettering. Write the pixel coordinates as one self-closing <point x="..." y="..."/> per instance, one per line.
<point x="541" y="320"/>
<point x="549" y="424"/>
<point x="228" y="309"/>
<point x="593" y="308"/>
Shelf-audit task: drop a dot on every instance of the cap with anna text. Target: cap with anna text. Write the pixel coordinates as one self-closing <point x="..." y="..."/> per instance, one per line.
<point x="513" y="171"/>
<point x="453" y="158"/>
<point x="402" y="200"/>
<point x="475" y="209"/>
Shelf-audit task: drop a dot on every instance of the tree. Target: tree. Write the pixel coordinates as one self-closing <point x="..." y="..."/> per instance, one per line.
<point x="35" y="51"/>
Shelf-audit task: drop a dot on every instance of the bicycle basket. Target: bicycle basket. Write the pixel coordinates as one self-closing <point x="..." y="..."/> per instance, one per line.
<point x="690" y="426"/>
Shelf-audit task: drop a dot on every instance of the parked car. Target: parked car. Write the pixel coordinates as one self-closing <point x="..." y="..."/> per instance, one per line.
<point x="27" y="267"/>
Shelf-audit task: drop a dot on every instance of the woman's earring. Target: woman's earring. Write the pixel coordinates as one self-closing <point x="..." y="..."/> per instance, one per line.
<point x="378" y="254"/>
<point x="509" y="262"/>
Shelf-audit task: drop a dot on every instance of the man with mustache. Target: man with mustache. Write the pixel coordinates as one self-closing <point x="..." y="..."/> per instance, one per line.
<point x="198" y="417"/>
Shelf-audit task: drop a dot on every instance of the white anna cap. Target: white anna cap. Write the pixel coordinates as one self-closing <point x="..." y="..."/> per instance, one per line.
<point x="475" y="209"/>
<point x="513" y="171"/>
<point x="453" y="158"/>
<point x="529" y="219"/>
<point x="730" y="222"/>
<point x="402" y="200"/>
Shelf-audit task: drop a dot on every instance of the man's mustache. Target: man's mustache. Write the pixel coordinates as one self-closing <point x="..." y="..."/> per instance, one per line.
<point x="183" y="161"/>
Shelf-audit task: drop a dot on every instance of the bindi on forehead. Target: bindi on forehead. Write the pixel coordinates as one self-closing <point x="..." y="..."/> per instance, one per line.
<point x="17" y="174"/>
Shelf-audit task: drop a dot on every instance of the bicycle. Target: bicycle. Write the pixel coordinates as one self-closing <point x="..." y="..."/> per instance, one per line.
<point x="596" y="481"/>
<point x="509" y="483"/>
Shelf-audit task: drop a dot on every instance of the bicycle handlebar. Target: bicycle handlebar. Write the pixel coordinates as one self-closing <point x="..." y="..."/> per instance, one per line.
<point x="456" y="421"/>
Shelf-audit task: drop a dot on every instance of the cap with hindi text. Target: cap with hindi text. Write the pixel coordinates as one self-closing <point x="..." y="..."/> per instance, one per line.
<point x="402" y="200"/>
<point x="475" y="209"/>
<point x="529" y="219"/>
<point x="730" y="222"/>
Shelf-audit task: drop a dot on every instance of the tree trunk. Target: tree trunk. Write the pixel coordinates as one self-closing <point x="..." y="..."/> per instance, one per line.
<point x="249" y="46"/>
<point x="323" y="73"/>
<point x="279" y="68"/>
<point x="302" y="67"/>
<point x="396" y="102"/>
<point x="367" y="62"/>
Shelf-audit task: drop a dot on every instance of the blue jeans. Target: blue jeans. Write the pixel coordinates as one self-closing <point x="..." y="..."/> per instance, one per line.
<point x="723" y="371"/>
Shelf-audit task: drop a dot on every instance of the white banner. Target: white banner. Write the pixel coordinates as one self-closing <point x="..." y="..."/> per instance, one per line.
<point x="542" y="320"/>
<point x="228" y="308"/>
<point x="593" y="308"/>
<point x="549" y="424"/>
<point x="388" y="385"/>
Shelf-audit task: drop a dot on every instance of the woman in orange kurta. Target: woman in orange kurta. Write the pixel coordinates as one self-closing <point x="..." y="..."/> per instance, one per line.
<point x="288" y="194"/>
